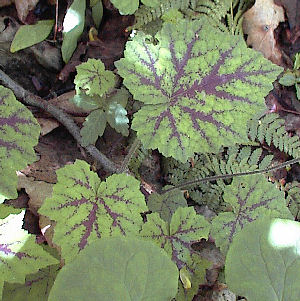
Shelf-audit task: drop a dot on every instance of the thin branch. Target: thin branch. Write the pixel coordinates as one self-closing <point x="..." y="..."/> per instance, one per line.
<point x="228" y="176"/>
<point x="133" y="148"/>
<point x="30" y="99"/>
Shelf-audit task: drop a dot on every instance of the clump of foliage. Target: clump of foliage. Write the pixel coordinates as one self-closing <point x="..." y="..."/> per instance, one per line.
<point x="199" y="89"/>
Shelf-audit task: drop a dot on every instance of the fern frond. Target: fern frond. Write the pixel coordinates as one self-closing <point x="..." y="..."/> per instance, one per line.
<point x="137" y="159"/>
<point x="270" y="129"/>
<point x="234" y="160"/>
<point x="145" y="14"/>
<point x="216" y="9"/>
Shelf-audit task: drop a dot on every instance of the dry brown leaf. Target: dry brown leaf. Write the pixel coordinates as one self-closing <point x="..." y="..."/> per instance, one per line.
<point x="24" y="7"/>
<point x="6" y="2"/>
<point x="259" y="24"/>
<point x="37" y="191"/>
<point x="47" y="125"/>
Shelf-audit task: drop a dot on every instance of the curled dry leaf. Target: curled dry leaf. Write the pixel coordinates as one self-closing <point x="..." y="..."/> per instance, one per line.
<point x="259" y="24"/>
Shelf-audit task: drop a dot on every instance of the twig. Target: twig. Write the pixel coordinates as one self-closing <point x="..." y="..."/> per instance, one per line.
<point x="30" y="99"/>
<point x="133" y="148"/>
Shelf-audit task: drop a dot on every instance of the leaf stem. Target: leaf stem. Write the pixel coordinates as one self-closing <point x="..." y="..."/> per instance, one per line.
<point x="30" y="99"/>
<point x="228" y="176"/>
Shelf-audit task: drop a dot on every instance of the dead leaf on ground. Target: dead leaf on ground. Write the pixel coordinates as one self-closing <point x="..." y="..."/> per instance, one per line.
<point x="24" y="7"/>
<point x="5" y="2"/>
<point x="292" y="8"/>
<point x="37" y="191"/>
<point x="259" y="24"/>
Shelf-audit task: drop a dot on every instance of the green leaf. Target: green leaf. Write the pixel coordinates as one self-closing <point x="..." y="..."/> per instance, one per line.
<point x="28" y="35"/>
<point x="19" y="253"/>
<point x="297" y="61"/>
<point x="151" y="3"/>
<point x="249" y="197"/>
<point x="19" y="133"/>
<point x="117" y="119"/>
<point x="73" y="27"/>
<point x="36" y="287"/>
<point x="124" y="269"/>
<point x="298" y="90"/>
<point x="126" y="7"/>
<point x="93" y="79"/>
<point x="86" y="209"/>
<point x="263" y="261"/>
<point x="176" y="238"/>
<point x="6" y="210"/>
<point x="166" y="203"/>
<point x="288" y="79"/>
<point x="197" y="275"/>
<point x="97" y="11"/>
<point x="86" y="102"/>
<point x="93" y="127"/>
<point x="197" y="92"/>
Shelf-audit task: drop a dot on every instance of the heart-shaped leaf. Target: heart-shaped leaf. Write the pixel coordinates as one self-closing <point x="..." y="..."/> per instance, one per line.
<point x="86" y="209"/>
<point x="19" y="133"/>
<point x="197" y="91"/>
<point x="249" y="197"/>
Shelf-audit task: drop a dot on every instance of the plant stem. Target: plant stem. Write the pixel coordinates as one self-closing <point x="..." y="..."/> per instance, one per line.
<point x="133" y="148"/>
<point x="30" y="99"/>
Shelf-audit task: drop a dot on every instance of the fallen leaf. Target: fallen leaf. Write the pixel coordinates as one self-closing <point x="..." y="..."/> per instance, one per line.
<point x="37" y="191"/>
<point x="259" y="24"/>
<point x="24" y="7"/>
<point x="292" y="9"/>
<point x="5" y="2"/>
<point x="47" y="125"/>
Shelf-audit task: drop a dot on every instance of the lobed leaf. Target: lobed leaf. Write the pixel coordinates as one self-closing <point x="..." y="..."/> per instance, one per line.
<point x="263" y="261"/>
<point x="19" y="133"/>
<point x="197" y="92"/>
<point x="124" y="269"/>
<point x="28" y="35"/>
<point x="86" y="209"/>
<point x="176" y="238"/>
<point x="36" y="287"/>
<point x="19" y="253"/>
<point x="93" y="79"/>
<point x="249" y="197"/>
<point x="166" y="203"/>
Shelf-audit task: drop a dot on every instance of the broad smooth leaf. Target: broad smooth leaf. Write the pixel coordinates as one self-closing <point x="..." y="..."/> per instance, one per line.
<point x="86" y="209"/>
<point x="73" y="27"/>
<point x="126" y="7"/>
<point x="112" y="269"/>
<point x="19" y="133"/>
<point x="249" y="197"/>
<point x="97" y="11"/>
<point x="28" y="35"/>
<point x="93" y="79"/>
<point x="19" y="253"/>
<point x="197" y="92"/>
<point x="263" y="261"/>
